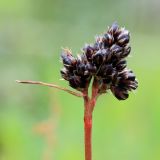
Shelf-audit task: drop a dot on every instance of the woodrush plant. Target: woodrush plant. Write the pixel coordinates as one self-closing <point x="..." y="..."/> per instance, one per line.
<point x="104" y="65"/>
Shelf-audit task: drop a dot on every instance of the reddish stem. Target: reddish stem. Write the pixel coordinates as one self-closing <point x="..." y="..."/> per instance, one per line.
<point x="88" y="137"/>
<point x="88" y="110"/>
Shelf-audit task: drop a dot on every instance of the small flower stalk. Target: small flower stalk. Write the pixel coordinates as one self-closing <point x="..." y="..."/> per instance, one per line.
<point x="103" y="64"/>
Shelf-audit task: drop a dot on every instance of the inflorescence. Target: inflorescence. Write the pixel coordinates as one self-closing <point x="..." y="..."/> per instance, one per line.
<point x="104" y="61"/>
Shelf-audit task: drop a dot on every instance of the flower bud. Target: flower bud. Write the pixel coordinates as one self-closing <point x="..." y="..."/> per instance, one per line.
<point x="107" y="40"/>
<point x="123" y="38"/>
<point x="114" y="29"/>
<point x="120" y="94"/>
<point x="68" y="59"/>
<point x="74" y="81"/>
<point x="126" y="51"/>
<point x="105" y="70"/>
<point x="64" y="74"/>
<point x="99" y="43"/>
<point x="121" y="65"/>
<point x="91" y="68"/>
<point x="80" y="68"/>
<point x="108" y="55"/>
<point x="89" y="51"/>
<point x="116" y="50"/>
<point x="98" y="58"/>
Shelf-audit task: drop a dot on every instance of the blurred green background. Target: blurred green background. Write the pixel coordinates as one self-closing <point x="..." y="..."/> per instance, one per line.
<point x="39" y="123"/>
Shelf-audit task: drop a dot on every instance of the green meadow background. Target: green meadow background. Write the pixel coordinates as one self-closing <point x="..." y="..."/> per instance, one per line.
<point x="40" y="123"/>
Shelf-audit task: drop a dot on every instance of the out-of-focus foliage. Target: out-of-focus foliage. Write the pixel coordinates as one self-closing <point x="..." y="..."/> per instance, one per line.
<point x="37" y="123"/>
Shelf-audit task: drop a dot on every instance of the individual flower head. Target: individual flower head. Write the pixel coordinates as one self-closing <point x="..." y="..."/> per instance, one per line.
<point x="75" y="70"/>
<point x="104" y="61"/>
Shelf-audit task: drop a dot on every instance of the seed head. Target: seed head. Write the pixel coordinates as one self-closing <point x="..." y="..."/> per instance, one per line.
<point x="103" y="60"/>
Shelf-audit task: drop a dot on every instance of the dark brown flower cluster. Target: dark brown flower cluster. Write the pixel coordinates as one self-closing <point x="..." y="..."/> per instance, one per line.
<point x="105" y="61"/>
